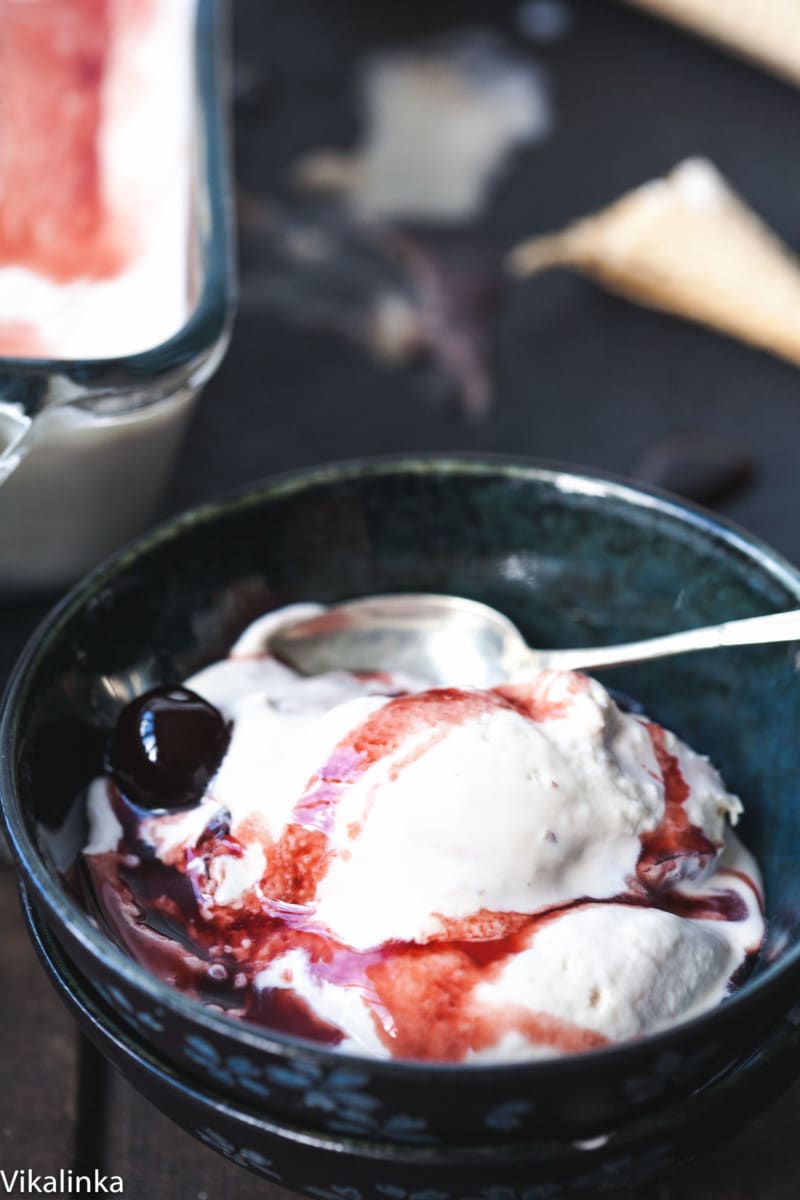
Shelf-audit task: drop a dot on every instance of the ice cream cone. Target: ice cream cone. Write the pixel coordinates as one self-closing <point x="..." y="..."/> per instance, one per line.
<point x="766" y="31"/>
<point x="688" y="245"/>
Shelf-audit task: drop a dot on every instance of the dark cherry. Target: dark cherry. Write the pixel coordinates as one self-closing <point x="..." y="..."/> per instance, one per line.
<point x="166" y="747"/>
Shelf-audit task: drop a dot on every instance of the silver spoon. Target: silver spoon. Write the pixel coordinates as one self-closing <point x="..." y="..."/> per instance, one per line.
<point x="449" y="640"/>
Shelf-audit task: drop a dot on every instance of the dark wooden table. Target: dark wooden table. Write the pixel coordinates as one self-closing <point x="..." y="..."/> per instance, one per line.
<point x="579" y="377"/>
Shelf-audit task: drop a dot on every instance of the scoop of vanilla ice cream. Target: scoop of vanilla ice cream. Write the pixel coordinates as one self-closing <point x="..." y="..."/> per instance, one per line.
<point x="500" y="811"/>
<point x="620" y="971"/>
<point x="503" y="813"/>
<point x="497" y="812"/>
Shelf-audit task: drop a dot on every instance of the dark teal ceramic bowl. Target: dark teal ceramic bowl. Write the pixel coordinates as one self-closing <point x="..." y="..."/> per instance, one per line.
<point x="573" y="559"/>
<point x="334" y="1167"/>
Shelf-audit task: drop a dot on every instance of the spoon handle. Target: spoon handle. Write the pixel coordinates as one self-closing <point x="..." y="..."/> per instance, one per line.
<point x="776" y="627"/>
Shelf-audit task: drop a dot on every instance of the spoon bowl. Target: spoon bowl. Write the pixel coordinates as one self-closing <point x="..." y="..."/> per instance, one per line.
<point x="441" y="639"/>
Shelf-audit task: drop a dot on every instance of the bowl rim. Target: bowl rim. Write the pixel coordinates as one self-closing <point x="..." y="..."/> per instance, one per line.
<point x="62" y="907"/>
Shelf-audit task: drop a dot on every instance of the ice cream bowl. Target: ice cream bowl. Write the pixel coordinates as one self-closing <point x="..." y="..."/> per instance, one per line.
<point x="334" y="1165"/>
<point x="573" y="559"/>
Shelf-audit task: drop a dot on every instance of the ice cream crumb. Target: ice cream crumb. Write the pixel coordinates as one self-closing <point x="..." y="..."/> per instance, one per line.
<point x="441" y="121"/>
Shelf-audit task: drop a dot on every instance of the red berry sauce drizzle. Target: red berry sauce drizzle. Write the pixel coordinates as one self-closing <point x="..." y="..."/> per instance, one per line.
<point x="54" y="58"/>
<point x="420" y="995"/>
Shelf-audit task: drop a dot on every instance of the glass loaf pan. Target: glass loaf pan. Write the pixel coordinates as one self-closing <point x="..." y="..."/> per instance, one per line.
<point x="86" y="446"/>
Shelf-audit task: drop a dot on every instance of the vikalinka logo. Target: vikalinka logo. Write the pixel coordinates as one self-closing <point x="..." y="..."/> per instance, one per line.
<point x="63" y="1183"/>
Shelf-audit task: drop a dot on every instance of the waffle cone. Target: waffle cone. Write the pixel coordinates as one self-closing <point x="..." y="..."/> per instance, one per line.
<point x="685" y="244"/>
<point x="766" y="31"/>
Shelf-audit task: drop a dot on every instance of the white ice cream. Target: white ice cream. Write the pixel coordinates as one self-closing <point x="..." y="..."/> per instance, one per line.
<point x="456" y="826"/>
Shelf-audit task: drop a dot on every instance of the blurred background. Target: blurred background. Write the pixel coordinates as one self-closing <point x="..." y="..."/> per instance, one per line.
<point x="562" y="370"/>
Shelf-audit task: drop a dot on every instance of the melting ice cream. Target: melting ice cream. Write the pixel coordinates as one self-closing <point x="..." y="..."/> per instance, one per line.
<point x="434" y="873"/>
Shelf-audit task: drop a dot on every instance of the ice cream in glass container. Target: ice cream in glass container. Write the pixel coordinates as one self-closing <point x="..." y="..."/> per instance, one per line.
<point x="115" y="281"/>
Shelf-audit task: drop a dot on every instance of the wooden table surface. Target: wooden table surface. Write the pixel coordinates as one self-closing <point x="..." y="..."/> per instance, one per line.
<point x="606" y="385"/>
